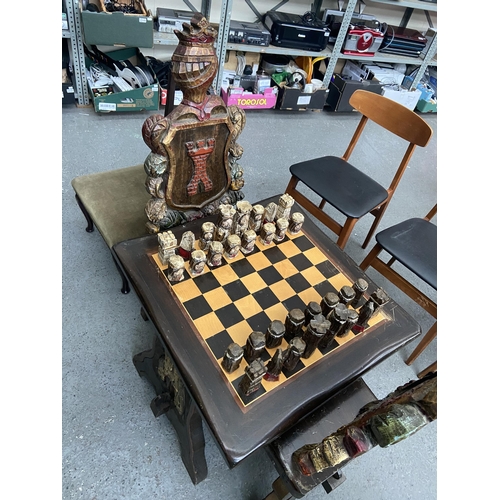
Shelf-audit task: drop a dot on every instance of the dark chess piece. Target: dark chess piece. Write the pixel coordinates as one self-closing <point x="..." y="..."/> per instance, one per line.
<point x="360" y="286"/>
<point x="293" y="324"/>
<point x="376" y="301"/>
<point x="274" y="367"/>
<point x="294" y="352"/>
<point x="337" y="319"/>
<point x="312" y="336"/>
<point x="365" y="313"/>
<point x="274" y="334"/>
<point x="255" y="345"/>
<point x="352" y="319"/>
<point x="312" y="310"/>
<point x="346" y="295"/>
<point x="232" y="357"/>
<point x="328" y="302"/>
<point x="252" y="379"/>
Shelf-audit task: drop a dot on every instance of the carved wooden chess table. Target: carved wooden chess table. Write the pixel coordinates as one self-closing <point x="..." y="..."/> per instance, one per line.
<point x="198" y="317"/>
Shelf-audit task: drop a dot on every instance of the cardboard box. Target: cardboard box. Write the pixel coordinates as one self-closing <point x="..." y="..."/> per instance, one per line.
<point x="297" y="100"/>
<point x="117" y="28"/>
<point x="342" y="89"/>
<point x="427" y="106"/>
<point x="266" y="100"/>
<point x="144" y="98"/>
<point x="68" y="93"/>
<point x="405" y="97"/>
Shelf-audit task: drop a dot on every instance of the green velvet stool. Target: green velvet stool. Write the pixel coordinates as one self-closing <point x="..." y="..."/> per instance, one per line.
<point x="114" y="202"/>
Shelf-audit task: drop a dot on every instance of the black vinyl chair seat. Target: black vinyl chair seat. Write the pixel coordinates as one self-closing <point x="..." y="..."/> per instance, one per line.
<point x="413" y="242"/>
<point x="341" y="184"/>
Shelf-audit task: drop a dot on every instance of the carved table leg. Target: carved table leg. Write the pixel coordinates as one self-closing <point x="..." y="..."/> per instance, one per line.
<point x="90" y="222"/>
<point x="174" y="401"/>
<point x="125" y="285"/>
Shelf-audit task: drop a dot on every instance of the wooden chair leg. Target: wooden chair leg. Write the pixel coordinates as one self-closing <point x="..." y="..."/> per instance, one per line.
<point x="379" y="212"/>
<point x="431" y="368"/>
<point x="280" y="491"/>
<point x="428" y="338"/>
<point x="292" y="184"/>
<point x="367" y="261"/>
<point x="346" y="232"/>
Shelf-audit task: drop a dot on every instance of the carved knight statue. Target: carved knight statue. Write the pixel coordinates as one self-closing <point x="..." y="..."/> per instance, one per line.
<point x="192" y="167"/>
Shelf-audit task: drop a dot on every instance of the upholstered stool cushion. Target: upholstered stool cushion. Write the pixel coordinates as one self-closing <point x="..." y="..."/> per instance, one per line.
<point x="341" y="184"/>
<point x="413" y="242"/>
<point x="115" y="201"/>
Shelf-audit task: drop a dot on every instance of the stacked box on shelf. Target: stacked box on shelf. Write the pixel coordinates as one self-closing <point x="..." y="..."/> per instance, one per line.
<point x="138" y="99"/>
<point x="341" y="90"/>
<point x="118" y="28"/>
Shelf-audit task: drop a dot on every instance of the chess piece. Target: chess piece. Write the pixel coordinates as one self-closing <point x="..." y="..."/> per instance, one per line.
<point x="328" y="302"/>
<point x="274" y="367"/>
<point x="281" y="227"/>
<point x="274" y="333"/>
<point x="296" y="222"/>
<point x="312" y="309"/>
<point x="359" y="286"/>
<point x="197" y="262"/>
<point x="284" y="206"/>
<point x="175" y="270"/>
<point x="312" y="336"/>
<point x="167" y="243"/>
<point x="267" y="233"/>
<point x="254" y="347"/>
<point x="251" y="381"/>
<point x="270" y="212"/>
<point x="294" y="352"/>
<point x="337" y="318"/>
<point x="380" y="298"/>
<point x="214" y="256"/>
<point x="352" y="319"/>
<point x="232" y="246"/>
<point x="186" y="246"/>
<point x="248" y="239"/>
<point x="207" y="235"/>
<point x="242" y="217"/>
<point x="232" y="357"/>
<point x="346" y="295"/>
<point x="293" y="324"/>
<point x="256" y="216"/>
<point x="365" y="313"/>
<point x="224" y="222"/>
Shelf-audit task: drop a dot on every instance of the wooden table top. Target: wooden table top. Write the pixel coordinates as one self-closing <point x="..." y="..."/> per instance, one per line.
<point x="241" y="426"/>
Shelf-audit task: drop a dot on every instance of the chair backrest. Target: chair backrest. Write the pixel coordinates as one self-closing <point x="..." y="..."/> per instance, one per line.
<point x="392" y="116"/>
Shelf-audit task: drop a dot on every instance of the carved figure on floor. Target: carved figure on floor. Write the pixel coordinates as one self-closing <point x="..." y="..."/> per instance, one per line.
<point x="193" y="164"/>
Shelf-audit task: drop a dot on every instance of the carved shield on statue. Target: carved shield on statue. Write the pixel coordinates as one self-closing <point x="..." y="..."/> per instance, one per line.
<point x="199" y="165"/>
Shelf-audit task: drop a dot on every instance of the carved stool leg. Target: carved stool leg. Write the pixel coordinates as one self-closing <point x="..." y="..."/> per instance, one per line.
<point x="90" y="222"/>
<point x="280" y="491"/>
<point x="173" y="400"/>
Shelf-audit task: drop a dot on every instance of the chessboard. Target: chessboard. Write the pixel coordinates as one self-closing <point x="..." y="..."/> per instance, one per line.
<point x="246" y="293"/>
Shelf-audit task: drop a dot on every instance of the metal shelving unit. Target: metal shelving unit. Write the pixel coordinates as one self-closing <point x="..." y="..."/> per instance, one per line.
<point x="333" y="52"/>
<point x="74" y="34"/>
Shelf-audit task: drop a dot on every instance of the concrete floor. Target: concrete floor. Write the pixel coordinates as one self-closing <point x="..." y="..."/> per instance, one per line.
<point x="112" y="445"/>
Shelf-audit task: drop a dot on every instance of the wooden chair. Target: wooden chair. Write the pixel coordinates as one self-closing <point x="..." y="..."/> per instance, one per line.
<point x="413" y="243"/>
<point x="343" y="186"/>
